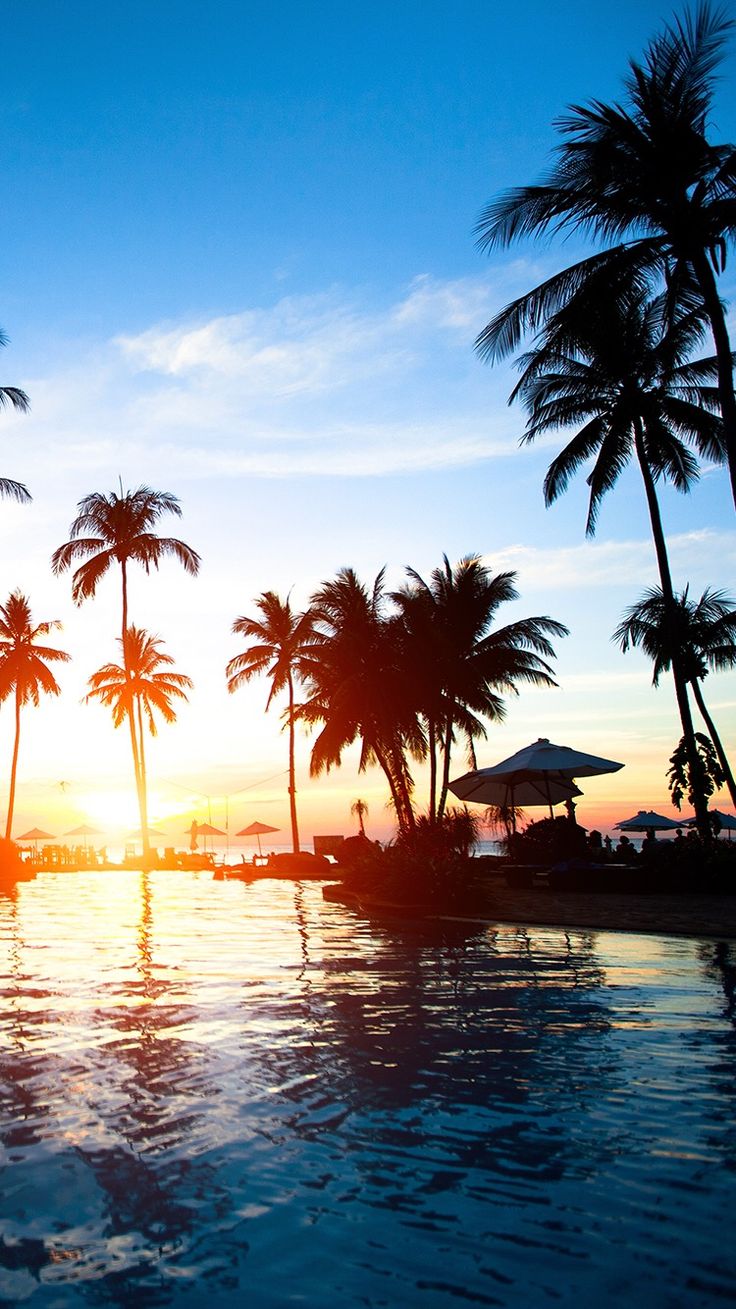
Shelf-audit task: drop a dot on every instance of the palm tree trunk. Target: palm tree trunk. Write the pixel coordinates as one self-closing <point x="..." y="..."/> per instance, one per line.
<point x="13" y="769"/>
<point x="445" y="770"/>
<point x="715" y="738"/>
<point x="397" y="787"/>
<point x="700" y="803"/>
<point x="142" y="788"/>
<point x="136" y="743"/>
<point x="292" y="771"/>
<point x="432" y="737"/>
<point x="714" y="310"/>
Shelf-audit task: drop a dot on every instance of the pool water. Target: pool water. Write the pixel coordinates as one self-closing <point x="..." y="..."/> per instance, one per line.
<point x="222" y="1094"/>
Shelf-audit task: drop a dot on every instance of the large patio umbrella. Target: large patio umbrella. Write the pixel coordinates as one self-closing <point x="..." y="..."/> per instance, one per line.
<point x="542" y="763"/>
<point x="259" y="830"/>
<point x="481" y="787"/>
<point x="84" y="830"/>
<point x="726" y="822"/>
<point x="648" y="821"/>
<point x="36" y="834"/>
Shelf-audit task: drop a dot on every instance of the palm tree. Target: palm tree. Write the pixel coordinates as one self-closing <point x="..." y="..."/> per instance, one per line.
<point x="118" y="529"/>
<point x="359" y="809"/>
<point x="705" y="634"/>
<point x="643" y="174"/>
<point x="358" y="687"/>
<point x="617" y="362"/>
<point x="279" y="637"/>
<point x="138" y="691"/>
<point x="23" y="670"/>
<point x="17" y="399"/>
<point x="462" y="665"/>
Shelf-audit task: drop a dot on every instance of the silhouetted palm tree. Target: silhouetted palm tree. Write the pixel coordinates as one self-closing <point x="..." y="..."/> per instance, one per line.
<point x="357" y="686"/>
<point x="118" y="529"/>
<point x="462" y="667"/>
<point x="138" y="692"/>
<point x="23" y="671"/>
<point x="617" y="363"/>
<point x="279" y="637"/>
<point x="359" y="809"/>
<point x="17" y="399"/>
<point x="705" y="633"/>
<point x="643" y="173"/>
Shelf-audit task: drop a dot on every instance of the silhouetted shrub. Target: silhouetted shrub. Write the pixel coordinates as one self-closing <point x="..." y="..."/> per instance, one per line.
<point x="548" y="841"/>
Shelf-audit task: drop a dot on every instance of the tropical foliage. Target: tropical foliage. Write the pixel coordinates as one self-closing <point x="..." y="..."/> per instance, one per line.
<point x="462" y="666"/>
<point x="404" y="674"/>
<point x="279" y="638"/>
<point x="704" y="634"/>
<point x="136" y="692"/>
<point x="15" y="398"/>
<point x="114" y="530"/>
<point x="24" y="671"/>
<point x="616" y="364"/>
<point x="644" y="175"/>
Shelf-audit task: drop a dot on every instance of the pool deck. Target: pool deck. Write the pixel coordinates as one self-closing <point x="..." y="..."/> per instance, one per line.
<point x="676" y="914"/>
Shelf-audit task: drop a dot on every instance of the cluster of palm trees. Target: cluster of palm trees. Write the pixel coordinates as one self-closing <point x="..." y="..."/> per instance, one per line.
<point x="405" y="674"/>
<point x="614" y="336"/>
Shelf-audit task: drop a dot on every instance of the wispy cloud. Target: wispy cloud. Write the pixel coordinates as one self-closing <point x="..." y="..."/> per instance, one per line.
<point x="320" y="385"/>
<point x="597" y="564"/>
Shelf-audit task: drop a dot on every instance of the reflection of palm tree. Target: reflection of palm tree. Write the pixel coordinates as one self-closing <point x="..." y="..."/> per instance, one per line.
<point x="704" y="632"/>
<point x="146" y="687"/>
<point x="615" y="363"/>
<point x="23" y="670"/>
<point x="279" y="637"/>
<point x="464" y="665"/>
<point x="118" y="529"/>
<point x="645" y="172"/>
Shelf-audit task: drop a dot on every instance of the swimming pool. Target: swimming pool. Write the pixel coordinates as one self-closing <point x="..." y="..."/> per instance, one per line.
<point x="218" y="1094"/>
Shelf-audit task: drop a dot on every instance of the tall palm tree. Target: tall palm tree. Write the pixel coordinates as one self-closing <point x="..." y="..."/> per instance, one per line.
<point x="137" y="692"/>
<point x="618" y="363"/>
<point x="279" y="637"/>
<point x="705" y="634"/>
<point x="462" y="665"/>
<point x="358" y="688"/>
<point x="643" y="174"/>
<point x="23" y="670"/>
<point x="113" y="530"/>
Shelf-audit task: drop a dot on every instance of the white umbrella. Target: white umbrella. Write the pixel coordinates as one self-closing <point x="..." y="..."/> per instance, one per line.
<point x="542" y="763"/>
<point x="482" y="787"/>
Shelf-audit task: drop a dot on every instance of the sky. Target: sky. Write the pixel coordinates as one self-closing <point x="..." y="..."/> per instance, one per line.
<point x="238" y="264"/>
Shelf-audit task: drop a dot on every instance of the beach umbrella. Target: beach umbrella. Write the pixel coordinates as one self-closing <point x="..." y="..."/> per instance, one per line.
<point x="84" y="830"/>
<point x="479" y="787"/>
<point x="648" y="821"/>
<point x="36" y="834"/>
<point x="543" y="763"/>
<point x="259" y="830"/>
<point x="138" y="835"/>
<point x="726" y="822"/>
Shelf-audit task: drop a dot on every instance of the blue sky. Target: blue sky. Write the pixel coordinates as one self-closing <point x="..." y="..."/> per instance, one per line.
<point x="238" y="264"/>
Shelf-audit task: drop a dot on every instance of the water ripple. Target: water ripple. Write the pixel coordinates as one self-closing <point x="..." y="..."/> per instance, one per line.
<point x="213" y="1092"/>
